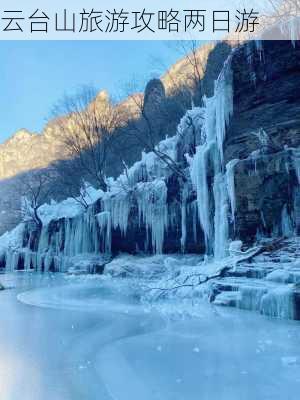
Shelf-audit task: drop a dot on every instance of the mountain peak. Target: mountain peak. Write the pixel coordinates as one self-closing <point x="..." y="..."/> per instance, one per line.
<point x="21" y="134"/>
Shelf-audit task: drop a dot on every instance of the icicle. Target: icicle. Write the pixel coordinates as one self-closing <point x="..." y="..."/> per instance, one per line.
<point x="183" y="217"/>
<point x="287" y="228"/>
<point x="221" y="217"/>
<point x="231" y="186"/>
<point x="278" y="303"/>
<point x="11" y="245"/>
<point x="199" y="173"/>
<point x="44" y="239"/>
<point x="259" y="48"/>
<point x="194" y="212"/>
<point x="104" y="222"/>
<point x="218" y="110"/>
<point x="81" y="234"/>
<point x="250" y="297"/>
<point x="296" y="162"/>
<point x="291" y="27"/>
<point x="153" y="211"/>
<point x="262" y="217"/>
<point x="119" y="207"/>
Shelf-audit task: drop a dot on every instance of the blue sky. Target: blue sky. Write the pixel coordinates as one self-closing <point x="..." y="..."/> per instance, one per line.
<point x="34" y="75"/>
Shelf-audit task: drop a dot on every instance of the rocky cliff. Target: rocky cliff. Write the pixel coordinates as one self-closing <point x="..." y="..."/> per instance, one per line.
<point x="232" y="178"/>
<point x="240" y="158"/>
<point x="266" y="85"/>
<point x="26" y="151"/>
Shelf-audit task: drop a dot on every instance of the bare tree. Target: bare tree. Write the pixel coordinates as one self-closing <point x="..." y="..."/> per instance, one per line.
<point x="70" y="181"/>
<point x="34" y="188"/>
<point x="175" y="82"/>
<point x="193" y="66"/>
<point x="191" y="51"/>
<point x="86" y="132"/>
<point x="151" y="126"/>
<point x="282" y="9"/>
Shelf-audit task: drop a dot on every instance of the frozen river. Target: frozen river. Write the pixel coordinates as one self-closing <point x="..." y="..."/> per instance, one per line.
<point x="81" y="339"/>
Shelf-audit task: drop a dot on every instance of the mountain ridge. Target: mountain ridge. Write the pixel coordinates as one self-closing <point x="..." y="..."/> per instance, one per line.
<point x="26" y="150"/>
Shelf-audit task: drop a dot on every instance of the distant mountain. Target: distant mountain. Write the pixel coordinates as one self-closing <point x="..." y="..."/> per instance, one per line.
<point x="27" y="150"/>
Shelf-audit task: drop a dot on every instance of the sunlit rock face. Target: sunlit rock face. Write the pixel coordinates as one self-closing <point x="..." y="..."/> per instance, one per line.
<point x="154" y="93"/>
<point x="12" y="153"/>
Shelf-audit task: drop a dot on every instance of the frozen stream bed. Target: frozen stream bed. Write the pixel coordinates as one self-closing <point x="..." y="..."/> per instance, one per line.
<point x="81" y="338"/>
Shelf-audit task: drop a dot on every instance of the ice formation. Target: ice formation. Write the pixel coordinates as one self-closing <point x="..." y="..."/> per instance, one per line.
<point x="287" y="228"/>
<point x="296" y="160"/>
<point x="70" y="230"/>
<point x="118" y="206"/>
<point x="183" y="217"/>
<point x="221" y="217"/>
<point x="209" y="162"/>
<point x="231" y="185"/>
<point x="153" y="211"/>
<point x="73" y="237"/>
<point x="104" y="222"/>
<point x="278" y="302"/>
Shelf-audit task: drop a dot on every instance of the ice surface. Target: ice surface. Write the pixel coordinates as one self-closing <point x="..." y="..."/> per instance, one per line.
<point x="106" y="345"/>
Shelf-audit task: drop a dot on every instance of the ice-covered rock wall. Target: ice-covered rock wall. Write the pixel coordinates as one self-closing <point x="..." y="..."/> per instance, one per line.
<point x="261" y="143"/>
<point x="237" y="179"/>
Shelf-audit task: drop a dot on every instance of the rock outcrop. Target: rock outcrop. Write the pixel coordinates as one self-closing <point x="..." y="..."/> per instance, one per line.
<point x="266" y="84"/>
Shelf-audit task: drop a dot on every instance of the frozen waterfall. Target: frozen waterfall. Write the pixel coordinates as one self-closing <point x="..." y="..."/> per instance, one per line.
<point x="208" y="164"/>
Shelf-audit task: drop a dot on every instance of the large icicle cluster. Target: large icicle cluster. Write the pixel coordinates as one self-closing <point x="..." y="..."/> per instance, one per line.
<point x="73" y="236"/>
<point x="208" y="163"/>
<point x="69" y="230"/>
<point x="84" y="232"/>
<point x="231" y="185"/>
<point x="104" y="222"/>
<point x="118" y="206"/>
<point x="153" y="211"/>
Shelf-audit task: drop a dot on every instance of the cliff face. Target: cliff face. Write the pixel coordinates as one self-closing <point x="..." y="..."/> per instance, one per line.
<point x="26" y="151"/>
<point x="240" y="157"/>
<point x="266" y="86"/>
<point x="234" y="180"/>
